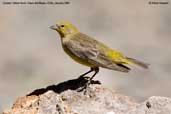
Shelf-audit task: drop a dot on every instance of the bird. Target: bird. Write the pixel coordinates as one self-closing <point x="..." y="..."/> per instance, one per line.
<point x="92" y="53"/>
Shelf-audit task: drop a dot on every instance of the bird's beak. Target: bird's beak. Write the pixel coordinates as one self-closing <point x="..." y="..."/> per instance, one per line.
<point x="54" y="27"/>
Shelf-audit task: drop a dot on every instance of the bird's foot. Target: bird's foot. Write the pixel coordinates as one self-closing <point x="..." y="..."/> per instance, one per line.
<point x="85" y="88"/>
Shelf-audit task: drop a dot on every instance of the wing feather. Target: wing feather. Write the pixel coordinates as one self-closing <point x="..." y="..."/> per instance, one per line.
<point x="89" y="49"/>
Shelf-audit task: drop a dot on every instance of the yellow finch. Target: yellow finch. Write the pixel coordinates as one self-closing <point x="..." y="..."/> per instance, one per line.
<point x="90" y="52"/>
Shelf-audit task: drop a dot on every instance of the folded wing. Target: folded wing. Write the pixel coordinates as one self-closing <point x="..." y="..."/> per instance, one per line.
<point x="89" y="50"/>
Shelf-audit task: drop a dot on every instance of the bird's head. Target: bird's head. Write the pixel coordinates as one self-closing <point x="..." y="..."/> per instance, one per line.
<point x="64" y="29"/>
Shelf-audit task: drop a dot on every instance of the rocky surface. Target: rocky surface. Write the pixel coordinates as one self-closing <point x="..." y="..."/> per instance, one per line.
<point x="66" y="98"/>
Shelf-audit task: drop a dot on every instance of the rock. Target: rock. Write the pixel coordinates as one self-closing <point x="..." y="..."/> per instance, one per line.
<point x="66" y="98"/>
<point x="154" y="105"/>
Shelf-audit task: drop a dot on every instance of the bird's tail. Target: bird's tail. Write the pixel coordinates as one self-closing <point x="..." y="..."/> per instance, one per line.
<point x="139" y="63"/>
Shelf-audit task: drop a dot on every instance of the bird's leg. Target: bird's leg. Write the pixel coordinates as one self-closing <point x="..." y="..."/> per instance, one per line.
<point x="82" y="75"/>
<point x="96" y="71"/>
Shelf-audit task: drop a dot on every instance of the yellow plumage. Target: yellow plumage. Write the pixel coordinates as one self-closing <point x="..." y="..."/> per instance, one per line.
<point x="90" y="52"/>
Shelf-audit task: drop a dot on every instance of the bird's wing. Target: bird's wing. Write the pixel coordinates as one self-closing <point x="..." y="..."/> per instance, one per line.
<point x="89" y="49"/>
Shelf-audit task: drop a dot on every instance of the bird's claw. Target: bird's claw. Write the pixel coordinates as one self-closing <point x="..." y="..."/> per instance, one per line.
<point x="85" y="87"/>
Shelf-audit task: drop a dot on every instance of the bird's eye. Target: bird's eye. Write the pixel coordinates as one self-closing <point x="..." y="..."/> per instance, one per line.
<point x="62" y="25"/>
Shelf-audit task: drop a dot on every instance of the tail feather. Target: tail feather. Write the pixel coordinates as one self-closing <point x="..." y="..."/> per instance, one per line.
<point x="139" y="63"/>
<point x="123" y="66"/>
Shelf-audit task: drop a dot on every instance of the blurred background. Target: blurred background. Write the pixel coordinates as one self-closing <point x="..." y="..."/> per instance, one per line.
<point x="31" y="56"/>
